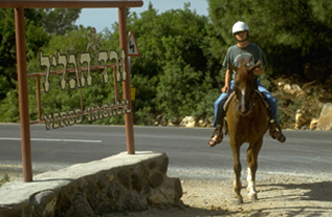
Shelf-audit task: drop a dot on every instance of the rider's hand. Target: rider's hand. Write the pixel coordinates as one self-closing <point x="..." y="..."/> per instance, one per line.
<point x="225" y="89"/>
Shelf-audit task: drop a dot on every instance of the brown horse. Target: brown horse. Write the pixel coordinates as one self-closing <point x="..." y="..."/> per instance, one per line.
<point x="247" y="120"/>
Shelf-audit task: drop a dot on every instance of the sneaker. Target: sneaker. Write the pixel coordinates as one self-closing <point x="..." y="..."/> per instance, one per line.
<point x="278" y="136"/>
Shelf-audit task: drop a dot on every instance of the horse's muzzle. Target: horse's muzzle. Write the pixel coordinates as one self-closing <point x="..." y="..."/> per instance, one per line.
<point x="243" y="110"/>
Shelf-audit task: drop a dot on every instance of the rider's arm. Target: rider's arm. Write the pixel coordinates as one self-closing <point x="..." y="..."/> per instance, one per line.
<point x="259" y="71"/>
<point x="228" y="77"/>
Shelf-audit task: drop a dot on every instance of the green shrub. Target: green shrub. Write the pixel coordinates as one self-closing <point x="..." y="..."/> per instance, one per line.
<point x="5" y="178"/>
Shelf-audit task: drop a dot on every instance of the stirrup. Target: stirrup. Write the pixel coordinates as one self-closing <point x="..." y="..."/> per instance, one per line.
<point x="275" y="131"/>
<point x="278" y="136"/>
<point x="217" y="131"/>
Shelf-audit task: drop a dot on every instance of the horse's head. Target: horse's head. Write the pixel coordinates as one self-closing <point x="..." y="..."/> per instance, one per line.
<point x="244" y="85"/>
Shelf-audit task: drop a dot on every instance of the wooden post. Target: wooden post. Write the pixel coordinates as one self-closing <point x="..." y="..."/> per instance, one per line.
<point x="39" y="98"/>
<point x="23" y="93"/>
<point x="126" y="84"/>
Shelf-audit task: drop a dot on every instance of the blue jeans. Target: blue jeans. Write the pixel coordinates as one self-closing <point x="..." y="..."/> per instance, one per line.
<point x="219" y="104"/>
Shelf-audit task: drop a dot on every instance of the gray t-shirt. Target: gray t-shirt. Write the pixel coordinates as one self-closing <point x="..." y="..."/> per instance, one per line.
<point x="250" y="54"/>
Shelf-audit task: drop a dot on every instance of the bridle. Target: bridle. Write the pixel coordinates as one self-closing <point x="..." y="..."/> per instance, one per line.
<point x="251" y="102"/>
<point x="243" y="80"/>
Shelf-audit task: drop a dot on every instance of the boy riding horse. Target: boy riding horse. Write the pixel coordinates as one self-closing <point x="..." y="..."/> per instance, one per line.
<point x="251" y="54"/>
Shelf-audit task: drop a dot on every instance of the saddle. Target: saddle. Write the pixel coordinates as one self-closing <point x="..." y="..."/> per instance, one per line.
<point x="260" y="96"/>
<point x="230" y="97"/>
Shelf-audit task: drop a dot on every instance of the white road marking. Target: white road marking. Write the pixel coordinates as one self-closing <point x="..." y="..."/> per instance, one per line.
<point x="53" y="140"/>
<point x="10" y="166"/>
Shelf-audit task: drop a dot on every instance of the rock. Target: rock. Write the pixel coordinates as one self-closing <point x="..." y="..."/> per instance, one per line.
<point x="293" y="91"/>
<point x="301" y="119"/>
<point x="163" y="122"/>
<point x="118" y="183"/>
<point x="318" y="73"/>
<point x="324" y="96"/>
<point x="172" y="122"/>
<point x="188" y="121"/>
<point x="10" y="211"/>
<point x="156" y="123"/>
<point x="136" y="181"/>
<point x="134" y="202"/>
<point x="313" y="123"/>
<point x="201" y="123"/>
<point x="163" y="165"/>
<point x="157" y="198"/>
<point x="44" y="203"/>
<point x="157" y="120"/>
<point x="280" y="85"/>
<point x="204" y="123"/>
<point x="156" y="179"/>
<point x="325" y="118"/>
<point x="328" y="81"/>
<point x="81" y="207"/>
<point x="169" y="193"/>
<point x="124" y="178"/>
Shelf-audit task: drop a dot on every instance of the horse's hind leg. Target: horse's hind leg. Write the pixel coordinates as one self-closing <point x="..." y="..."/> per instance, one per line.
<point x="252" y="157"/>
<point x="237" y="171"/>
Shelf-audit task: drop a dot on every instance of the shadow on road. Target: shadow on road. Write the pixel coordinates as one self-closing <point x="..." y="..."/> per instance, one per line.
<point x="175" y="211"/>
<point x="319" y="191"/>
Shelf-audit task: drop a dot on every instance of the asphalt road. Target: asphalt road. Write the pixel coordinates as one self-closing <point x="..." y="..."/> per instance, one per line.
<point x="304" y="152"/>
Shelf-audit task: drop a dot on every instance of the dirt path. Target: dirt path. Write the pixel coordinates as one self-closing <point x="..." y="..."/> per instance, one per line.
<point x="278" y="194"/>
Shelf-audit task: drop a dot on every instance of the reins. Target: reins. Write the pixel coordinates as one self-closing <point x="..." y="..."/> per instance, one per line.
<point x="244" y="80"/>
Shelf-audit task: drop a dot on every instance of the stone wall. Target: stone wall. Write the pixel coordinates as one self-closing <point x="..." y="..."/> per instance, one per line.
<point x="114" y="184"/>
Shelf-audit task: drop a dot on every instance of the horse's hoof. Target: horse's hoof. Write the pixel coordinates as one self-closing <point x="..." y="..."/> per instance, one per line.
<point x="253" y="198"/>
<point x="238" y="201"/>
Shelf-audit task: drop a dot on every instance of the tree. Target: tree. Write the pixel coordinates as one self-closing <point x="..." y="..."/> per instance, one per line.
<point x="7" y="52"/>
<point x="293" y="34"/>
<point x="36" y="37"/>
<point x="36" y="20"/>
<point x="173" y="65"/>
<point x="59" y="20"/>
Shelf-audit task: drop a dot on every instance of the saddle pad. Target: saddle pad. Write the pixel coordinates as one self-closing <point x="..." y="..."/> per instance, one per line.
<point x="228" y="100"/>
<point x="260" y="95"/>
<point x="264" y="100"/>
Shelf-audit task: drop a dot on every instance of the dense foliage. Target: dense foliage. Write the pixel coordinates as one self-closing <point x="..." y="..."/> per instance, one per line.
<point x="173" y="66"/>
<point x="293" y="34"/>
<point x="179" y="72"/>
<point x="35" y="38"/>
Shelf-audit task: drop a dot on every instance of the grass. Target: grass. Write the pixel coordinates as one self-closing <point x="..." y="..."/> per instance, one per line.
<point x="5" y="178"/>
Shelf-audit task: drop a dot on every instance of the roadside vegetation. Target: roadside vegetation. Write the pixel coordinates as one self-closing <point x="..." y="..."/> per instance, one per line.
<point x="179" y="72"/>
<point x="4" y="178"/>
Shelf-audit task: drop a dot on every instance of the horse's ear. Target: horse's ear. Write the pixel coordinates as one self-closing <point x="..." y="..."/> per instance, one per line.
<point x="251" y="68"/>
<point x="233" y="67"/>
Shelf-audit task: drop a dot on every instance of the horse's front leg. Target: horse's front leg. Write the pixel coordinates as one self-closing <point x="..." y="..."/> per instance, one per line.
<point x="252" y="157"/>
<point x="237" y="171"/>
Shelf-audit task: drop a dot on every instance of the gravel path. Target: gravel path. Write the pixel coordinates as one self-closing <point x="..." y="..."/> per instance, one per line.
<point x="278" y="194"/>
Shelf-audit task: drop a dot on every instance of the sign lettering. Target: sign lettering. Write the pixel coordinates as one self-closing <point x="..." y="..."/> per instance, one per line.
<point x="75" y="116"/>
<point x="80" y="81"/>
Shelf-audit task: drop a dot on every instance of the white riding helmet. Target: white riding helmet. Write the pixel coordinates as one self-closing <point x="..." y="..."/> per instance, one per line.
<point x="239" y="27"/>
